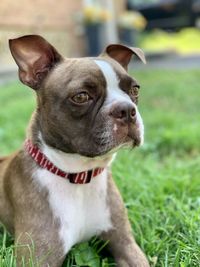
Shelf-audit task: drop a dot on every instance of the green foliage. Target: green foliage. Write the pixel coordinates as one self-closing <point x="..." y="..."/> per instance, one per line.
<point x="186" y="41"/>
<point x="16" y="105"/>
<point x="159" y="181"/>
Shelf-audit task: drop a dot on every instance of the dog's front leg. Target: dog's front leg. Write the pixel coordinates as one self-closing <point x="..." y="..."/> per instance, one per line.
<point x="38" y="248"/>
<point x="122" y="244"/>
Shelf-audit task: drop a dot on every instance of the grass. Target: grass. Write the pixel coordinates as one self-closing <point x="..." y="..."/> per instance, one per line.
<point x="160" y="182"/>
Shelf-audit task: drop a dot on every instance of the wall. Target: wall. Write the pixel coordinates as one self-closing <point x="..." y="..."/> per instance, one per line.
<point x="56" y="22"/>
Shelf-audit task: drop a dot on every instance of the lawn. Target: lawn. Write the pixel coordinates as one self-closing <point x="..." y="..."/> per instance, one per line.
<point x="160" y="182"/>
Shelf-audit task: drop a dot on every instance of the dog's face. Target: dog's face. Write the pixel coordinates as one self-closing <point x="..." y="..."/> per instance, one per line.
<point x="86" y="106"/>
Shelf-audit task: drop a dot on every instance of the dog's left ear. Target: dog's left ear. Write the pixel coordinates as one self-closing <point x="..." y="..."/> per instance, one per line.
<point x="123" y="54"/>
<point x="35" y="57"/>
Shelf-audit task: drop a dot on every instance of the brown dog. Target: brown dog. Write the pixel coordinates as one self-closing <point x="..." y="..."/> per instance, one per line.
<point x="58" y="190"/>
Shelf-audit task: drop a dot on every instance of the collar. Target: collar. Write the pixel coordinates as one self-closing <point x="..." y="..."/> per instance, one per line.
<point x="45" y="163"/>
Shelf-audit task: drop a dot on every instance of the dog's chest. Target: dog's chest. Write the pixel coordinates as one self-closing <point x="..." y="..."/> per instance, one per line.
<point x="81" y="209"/>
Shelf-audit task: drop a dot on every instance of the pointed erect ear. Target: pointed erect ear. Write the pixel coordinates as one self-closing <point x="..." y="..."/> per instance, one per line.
<point x="123" y="54"/>
<point x="35" y="57"/>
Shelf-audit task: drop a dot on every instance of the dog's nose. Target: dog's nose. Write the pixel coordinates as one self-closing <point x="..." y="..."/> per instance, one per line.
<point x="125" y="112"/>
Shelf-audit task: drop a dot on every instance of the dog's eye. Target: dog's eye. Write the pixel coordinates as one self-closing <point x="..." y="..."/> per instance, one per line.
<point x="81" y="98"/>
<point x="134" y="91"/>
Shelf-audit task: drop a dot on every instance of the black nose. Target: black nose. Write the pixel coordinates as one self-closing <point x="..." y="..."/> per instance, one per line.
<point x="125" y="112"/>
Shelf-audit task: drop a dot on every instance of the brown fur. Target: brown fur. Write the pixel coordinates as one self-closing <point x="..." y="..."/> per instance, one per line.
<point x="122" y="244"/>
<point x="24" y="206"/>
<point x="26" y="211"/>
<point x="2" y="159"/>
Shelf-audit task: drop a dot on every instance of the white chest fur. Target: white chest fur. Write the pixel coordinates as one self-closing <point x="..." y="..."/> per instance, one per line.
<point x="81" y="209"/>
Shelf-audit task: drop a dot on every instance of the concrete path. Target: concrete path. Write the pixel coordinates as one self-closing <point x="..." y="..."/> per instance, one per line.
<point x="7" y="74"/>
<point x="170" y="61"/>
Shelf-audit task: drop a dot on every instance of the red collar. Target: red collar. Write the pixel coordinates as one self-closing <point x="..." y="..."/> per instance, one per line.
<point x="44" y="162"/>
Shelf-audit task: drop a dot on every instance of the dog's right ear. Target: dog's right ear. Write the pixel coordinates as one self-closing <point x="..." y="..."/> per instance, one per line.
<point x="35" y="57"/>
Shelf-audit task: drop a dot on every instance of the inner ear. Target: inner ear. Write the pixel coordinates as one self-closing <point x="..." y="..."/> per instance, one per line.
<point x="35" y="58"/>
<point x="123" y="54"/>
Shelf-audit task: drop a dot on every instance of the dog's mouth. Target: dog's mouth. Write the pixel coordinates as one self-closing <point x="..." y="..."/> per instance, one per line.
<point x="105" y="137"/>
<point x="135" y="133"/>
<point x="112" y="140"/>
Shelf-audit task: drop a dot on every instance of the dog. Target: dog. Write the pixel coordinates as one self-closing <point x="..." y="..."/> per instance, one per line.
<point x="58" y="189"/>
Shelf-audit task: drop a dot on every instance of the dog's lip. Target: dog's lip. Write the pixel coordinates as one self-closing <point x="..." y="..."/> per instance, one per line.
<point x="136" y="142"/>
<point x="135" y="136"/>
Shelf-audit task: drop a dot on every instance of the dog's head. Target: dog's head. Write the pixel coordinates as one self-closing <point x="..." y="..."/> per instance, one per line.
<point x="86" y="106"/>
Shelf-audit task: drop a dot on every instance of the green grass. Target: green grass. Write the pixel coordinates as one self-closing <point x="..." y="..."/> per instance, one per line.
<point x="160" y="182"/>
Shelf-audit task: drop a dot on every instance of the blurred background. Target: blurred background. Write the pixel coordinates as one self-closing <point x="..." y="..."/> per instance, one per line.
<point x="160" y="181"/>
<point x="84" y="27"/>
